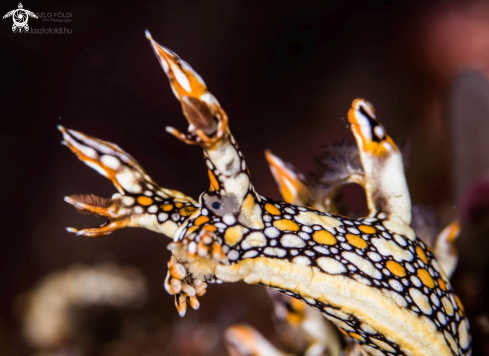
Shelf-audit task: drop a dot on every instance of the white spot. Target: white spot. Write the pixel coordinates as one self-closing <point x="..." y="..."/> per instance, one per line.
<point x="330" y="265"/>
<point x="275" y="251"/>
<point x="409" y="267"/>
<point x="321" y="249"/>
<point x="390" y="248"/>
<point x="220" y="226"/>
<point x="110" y="161"/>
<point x="152" y="209"/>
<point x="204" y="212"/>
<point x="363" y="264"/>
<point x="310" y="301"/>
<point x="229" y="219"/>
<point x="416" y="281"/>
<point x="250" y="254"/>
<point x="310" y="253"/>
<point x="400" y="240"/>
<point x="463" y="335"/>
<point x="289" y="240"/>
<point x="306" y="229"/>
<point x="138" y="209"/>
<point x="293" y="252"/>
<point x="128" y="201"/>
<point x="452" y="342"/>
<point x="374" y="256"/>
<point x="255" y="239"/>
<point x="421" y="300"/>
<point x="379" y="132"/>
<point x="442" y="318"/>
<point x="435" y="299"/>
<point x="362" y="279"/>
<point x="302" y="260"/>
<point x="304" y="236"/>
<point x="396" y="285"/>
<point x="289" y="210"/>
<point x="233" y="255"/>
<point x="333" y="250"/>
<point x="272" y="232"/>
<point x="353" y="230"/>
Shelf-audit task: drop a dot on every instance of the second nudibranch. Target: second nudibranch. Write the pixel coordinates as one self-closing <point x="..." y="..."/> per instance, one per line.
<point x="372" y="277"/>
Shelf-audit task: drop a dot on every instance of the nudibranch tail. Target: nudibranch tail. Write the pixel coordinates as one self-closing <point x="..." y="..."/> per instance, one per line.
<point x="384" y="180"/>
<point x="140" y="203"/>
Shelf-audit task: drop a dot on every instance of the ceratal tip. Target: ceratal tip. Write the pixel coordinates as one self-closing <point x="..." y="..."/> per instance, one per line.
<point x="69" y="200"/>
<point x="72" y="230"/>
<point x="61" y="128"/>
<point x="148" y="35"/>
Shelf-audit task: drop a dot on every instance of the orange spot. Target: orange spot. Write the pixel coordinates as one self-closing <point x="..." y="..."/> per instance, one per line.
<point x="191" y="229"/>
<point x="214" y="182"/>
<point x="343" y="331"/>
<point x="145" y="201"/>
<point x="286" y="225"/>
<point x="421" y="254"/>
<point x="178" y="205"/>
<point x="324" y="237"/>
<point x="272" y="209"/>
<point x="201" y="220"/>
<point x="356" y="336"/>
<point x="167" y="207"/>
<point x="248" y="203"/>
<point x="356" y="241"/>
<point x="395" y="268"/>
<point x="459" y="303"/>
<point x="187" y="210"/>
<point x="442" y="284"/>
<point x="211" y="228"/>
<point x="367" y="229"/>
<point x="425" y="277"/>
<point x="233" y="235"/>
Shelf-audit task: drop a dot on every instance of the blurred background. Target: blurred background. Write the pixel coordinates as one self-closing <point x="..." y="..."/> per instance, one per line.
<point x="286" y="73"/>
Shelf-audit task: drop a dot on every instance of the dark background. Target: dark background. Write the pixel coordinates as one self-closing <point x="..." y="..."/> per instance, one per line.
<point x="285" y="72"/>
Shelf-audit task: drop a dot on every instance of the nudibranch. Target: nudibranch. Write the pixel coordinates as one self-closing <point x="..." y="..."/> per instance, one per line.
<point x="372" y="277"/>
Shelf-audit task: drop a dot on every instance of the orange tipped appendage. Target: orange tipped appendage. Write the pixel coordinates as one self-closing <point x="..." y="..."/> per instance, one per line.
<point x="183" y="79"/>
<point x="370" y="134"/>
<point x="289" y="183"/>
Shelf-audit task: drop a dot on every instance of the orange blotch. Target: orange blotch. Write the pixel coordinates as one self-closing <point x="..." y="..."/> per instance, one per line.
<point x="191" y="229"/>
<point x="442" y="284"/>
<point x="343" y="331"/>
<point x="201" y="220"/>
<point x="214" y="182"/>
<point x="286" y="225"/>
<point x="248" y="203"/>
<point x="459" y="303"/>
<point x="425" y="277"/>
<point x="145" y="201"/>
<point x="272" y="209"/>
<point x="211" y="228"/>
<point x="421" y="254"/>
<point x="395" y="268"/>
<point x="367" y="229"/>
<point x="166" y="207"/>
<point x="178" y="205"/>
<point x="356" y="241"/>
<point x="356" y="336"/>
<point x="186" y="211"/>
<point x="324" y="237"/>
